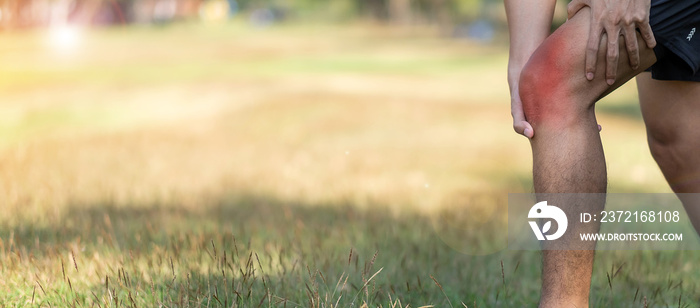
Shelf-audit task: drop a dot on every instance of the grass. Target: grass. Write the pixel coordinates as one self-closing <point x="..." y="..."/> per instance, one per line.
<point x="284" y="167"/>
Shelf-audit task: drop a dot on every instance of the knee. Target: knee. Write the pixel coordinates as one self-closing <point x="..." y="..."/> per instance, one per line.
<point x="547" y="99"/>
<point x="665" y="146"/>
<point x="672" y="149"/>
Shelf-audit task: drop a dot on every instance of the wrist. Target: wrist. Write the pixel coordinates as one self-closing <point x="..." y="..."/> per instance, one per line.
<point x="514" y="75"/>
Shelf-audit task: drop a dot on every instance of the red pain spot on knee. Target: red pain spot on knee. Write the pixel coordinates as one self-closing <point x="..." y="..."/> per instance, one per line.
<point x="544" y="91"/>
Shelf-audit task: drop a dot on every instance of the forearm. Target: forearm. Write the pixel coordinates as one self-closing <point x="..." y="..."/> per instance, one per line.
<point x="529" y="23"/>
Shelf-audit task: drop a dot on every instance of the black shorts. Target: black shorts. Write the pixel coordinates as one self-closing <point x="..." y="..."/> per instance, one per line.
<point x="676" y="26"/>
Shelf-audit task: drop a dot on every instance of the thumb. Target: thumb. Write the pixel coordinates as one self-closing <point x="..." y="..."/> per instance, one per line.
<point x="524" y="128"/>
<point x="574" y="7"/>
<point x="528" y="131"/>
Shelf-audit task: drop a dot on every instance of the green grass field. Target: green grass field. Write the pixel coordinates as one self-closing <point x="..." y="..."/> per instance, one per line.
<point x="298" y="166"/>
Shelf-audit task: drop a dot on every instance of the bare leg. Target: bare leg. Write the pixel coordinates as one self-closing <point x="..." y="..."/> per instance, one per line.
<point x="567" y="151"/>
<point x="670" y="110"/>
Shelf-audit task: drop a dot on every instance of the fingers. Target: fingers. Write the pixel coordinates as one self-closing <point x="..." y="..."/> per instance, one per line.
<point x="647" y="34"/>
<point x="574" y="7"/>
<point x="592" y="50"/>
<point x="612" y="56"/>
<point x="632" y="46"/>
<point x="520" y="125"/>
<point x="614" y="19"/>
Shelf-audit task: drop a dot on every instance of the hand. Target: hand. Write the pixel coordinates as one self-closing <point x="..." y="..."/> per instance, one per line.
<point x="615" y="18"/>
<point x="520" y="125"/>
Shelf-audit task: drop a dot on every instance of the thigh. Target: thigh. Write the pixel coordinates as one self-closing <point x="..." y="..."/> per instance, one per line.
<point x="671" y="110"/>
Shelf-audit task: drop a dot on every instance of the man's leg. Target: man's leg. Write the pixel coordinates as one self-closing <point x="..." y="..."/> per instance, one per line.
<point x="671" y="110"/>
<point x="567" y="151"/>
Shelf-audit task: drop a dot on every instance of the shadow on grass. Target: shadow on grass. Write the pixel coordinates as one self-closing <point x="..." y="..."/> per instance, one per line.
<point x="248" y="250"/>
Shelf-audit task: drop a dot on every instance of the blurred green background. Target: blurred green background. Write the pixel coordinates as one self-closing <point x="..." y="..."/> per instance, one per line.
<point x="314" y="153"/>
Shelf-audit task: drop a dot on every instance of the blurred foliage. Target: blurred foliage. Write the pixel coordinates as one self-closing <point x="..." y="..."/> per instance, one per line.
<point x="33" y="13"/>
<point x="478" y="19"/>
<point x="386" y="10"/>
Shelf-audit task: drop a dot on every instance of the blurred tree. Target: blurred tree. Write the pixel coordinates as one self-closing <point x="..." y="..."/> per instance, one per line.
<point x="15" y="13"/>
<point x="468" y="8"/>
<point x="445" y="13"/>
<point x="400" y="11"/>
<point x="442" y="9"/>
<point x="376" y="9"/>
